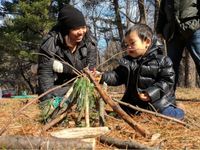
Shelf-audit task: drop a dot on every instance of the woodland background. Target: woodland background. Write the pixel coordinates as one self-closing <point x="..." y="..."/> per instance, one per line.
<point x="24" y="24"/>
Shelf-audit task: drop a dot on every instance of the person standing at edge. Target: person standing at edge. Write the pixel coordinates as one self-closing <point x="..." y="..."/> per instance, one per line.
<point x="179" y="24"/>
<point x="72" y="41"/>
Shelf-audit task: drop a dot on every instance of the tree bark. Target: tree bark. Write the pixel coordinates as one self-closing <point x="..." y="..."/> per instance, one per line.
<point x="123" y="144"/>
<point x="30" y="142"/>
<point x="190" y="71"/>
<point x="118" y="19"/>
<point x="142" y="11"/>
<point x="87" y="132"/>
<point x="181" y="78"/>
<point x="157" y="6"/>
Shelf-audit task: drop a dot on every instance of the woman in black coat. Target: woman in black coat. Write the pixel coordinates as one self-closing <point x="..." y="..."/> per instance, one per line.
<point x="71" y="41"/>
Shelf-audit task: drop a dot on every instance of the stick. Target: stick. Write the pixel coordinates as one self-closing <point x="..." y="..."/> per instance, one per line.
<point x="54" y="121"/>
<point x="102" y="108"/>
<point x="80" y="132"/>
<point x="151" y="112"/>
<point x="123" y="144"/>
<point x="58" y="118"/>
<point x="87" y="110"/>
<point x="66" y="96"/>
<point x="16" y="114"/>
<point x="117" y="108"/>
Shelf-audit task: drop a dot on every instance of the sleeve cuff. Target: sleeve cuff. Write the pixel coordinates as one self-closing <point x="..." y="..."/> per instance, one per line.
<point x="154" y="93"/>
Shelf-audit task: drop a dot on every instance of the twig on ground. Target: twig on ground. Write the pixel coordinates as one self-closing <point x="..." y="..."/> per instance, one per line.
<point x="113" y="118"/>
<point x="59" y="117"/>
<point x="192" y="121"/>
<point x="188" y="100"/>
<point x="54" y="121"/>
<point x="151" y="112"/>
<point x="16" y="114"/>
<point x="124" y="144"/>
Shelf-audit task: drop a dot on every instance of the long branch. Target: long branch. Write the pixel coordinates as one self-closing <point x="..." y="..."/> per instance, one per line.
<point x="73" y="68"/>
<point x="151" y="112"/>
<point x="123" y="144"/>
<point x="121" y="52"/>
<point x="16" y="114"/>
<point x="117" y="108"/>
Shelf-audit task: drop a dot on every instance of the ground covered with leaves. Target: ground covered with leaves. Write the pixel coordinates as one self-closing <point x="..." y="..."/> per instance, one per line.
<point x="172" y="135"/>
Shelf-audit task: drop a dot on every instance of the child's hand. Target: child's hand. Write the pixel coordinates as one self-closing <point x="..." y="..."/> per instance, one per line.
<point x="97" y="75"/>
<point x="144" y="97"/>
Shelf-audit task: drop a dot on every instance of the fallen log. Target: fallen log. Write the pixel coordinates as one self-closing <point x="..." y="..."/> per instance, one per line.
<point x="117" y="108"/>
<point x="123" y="144"/>
<point x="44" y="143"/>
<point x="84" y="132"/>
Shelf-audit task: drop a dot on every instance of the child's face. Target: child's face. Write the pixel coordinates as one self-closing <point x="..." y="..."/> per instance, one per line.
<point x="135" y="46"/>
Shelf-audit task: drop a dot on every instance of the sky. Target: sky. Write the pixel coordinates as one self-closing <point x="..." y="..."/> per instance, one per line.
<point x="1" y="18"/>
<point x="105" y="12"/>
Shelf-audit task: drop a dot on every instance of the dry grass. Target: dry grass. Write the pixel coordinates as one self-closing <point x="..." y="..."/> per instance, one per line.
<point x="188" y="94"/>
<point x="172" y="135"/>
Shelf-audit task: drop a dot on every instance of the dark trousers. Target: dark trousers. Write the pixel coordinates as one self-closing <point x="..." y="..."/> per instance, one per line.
<point x="175" y="49"/>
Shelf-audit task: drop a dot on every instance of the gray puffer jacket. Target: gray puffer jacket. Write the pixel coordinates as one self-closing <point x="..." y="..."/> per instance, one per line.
<point x="152" y="73"/>
<point x="53" y="47"/>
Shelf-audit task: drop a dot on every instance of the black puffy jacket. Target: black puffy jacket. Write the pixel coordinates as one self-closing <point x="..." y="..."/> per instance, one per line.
<point x="152" y="73"/>
<point x="178" y="16"/>
<point x="53" y="47"/>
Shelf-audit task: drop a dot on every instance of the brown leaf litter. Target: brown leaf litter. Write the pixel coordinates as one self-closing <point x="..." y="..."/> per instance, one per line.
<point x="172" y="135"/>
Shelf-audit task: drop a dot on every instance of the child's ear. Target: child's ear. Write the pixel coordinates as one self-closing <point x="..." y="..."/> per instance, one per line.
<point x="148" y="42"/>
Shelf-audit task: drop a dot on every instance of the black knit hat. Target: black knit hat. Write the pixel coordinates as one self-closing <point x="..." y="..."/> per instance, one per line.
<point x="69" y="18"/>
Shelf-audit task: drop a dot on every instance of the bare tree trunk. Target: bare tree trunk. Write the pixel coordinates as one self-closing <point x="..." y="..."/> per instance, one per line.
<point x="127" y="12"/>
<point x="190" y="71"/>
<point x="181" y="80"/>
<point x="27" y="81"/>
<point x="142" y="11"/>
<point x="95" y="35"/>
<point x="157" y="6"/>
<point x="197" y="80"/>
<point x="118" y="19"/>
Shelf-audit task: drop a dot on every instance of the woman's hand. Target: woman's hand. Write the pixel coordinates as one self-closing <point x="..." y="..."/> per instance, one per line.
<point x="57" y="66"/>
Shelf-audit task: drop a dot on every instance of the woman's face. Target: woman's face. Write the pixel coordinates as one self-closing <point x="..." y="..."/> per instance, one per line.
<point x="135" y="47"/>
<point x="77" y="34"/>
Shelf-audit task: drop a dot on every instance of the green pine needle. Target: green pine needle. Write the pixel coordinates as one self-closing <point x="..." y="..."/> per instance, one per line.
<point x="83" y="91"/>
